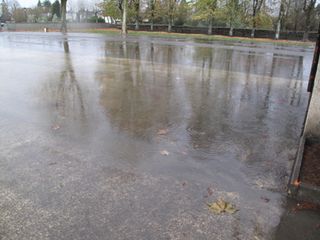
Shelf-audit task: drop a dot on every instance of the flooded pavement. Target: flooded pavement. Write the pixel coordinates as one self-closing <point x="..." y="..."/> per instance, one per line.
<point x="103" y="138"/>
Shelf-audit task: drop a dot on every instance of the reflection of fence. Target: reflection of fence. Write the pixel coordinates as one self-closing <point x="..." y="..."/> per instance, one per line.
<point x="290" y="35"/>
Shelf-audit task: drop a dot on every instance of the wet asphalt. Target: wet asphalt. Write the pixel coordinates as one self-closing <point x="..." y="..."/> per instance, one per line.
<point x="110" y="138"/>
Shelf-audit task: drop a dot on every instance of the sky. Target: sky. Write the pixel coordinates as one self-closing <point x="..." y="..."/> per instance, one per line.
<point x="28" y="3"/>
<point x="32" y="3"/>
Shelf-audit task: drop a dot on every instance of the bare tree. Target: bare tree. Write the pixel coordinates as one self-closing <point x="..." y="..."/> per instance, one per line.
<point x="308" y="9"/>
<point x="233" y="12"/>
<point x="282" y="12"/>
<point x="123" y="6"/>
<point x="205" y="11"/>
<point x="63" y="16"/>
<point x="171" y="11"/>
<point x="5" y="14"/>
<point x="152" y="9"/>
<point x="286" y="16"/>
<point x="155" y="9"/>
<point x="256" y="7"/>
<point x="136" y="8"/>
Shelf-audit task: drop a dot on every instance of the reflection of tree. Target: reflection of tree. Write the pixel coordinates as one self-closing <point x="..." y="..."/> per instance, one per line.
<point x="225" y="93"/>
<point x="233" y="115"/>
<point x="296" y="93"/>
<point x="137" y="95"/>
<point x="208" y="110"/>
<point x="65" y="94"/>
<point x="268" y="78"/>
<point x="245" y="98"/>
<point x="69" y="94"/>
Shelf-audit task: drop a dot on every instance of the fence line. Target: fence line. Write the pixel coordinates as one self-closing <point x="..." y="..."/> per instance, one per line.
<point x="259" y="33"/>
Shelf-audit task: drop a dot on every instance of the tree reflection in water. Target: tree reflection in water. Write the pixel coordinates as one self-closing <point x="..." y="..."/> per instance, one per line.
<point x="66" y="95"/>
<point x="216" y="92"/>
<point x="69" y="94"/>
<point x="133" y="93"/>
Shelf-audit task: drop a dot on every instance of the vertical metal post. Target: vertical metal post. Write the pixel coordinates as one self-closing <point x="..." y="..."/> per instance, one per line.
<point x="315" y="61"/>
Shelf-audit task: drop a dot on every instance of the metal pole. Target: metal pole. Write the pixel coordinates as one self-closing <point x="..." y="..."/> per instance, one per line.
<point x="315" y="61"/>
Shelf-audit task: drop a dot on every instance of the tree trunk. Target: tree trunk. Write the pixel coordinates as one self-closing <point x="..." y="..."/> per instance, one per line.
<point x="295" y="27"/>
<point x="285" y="17"/>
<point x="253" y="31"/>
<point x="124" y="30"/>
<point x="305" y="35"/>
<point x="231" y="31"/>
<point x="307" y="27"/>
<point x="253" y="23"/>
<point x="280" y="18"/>
<point x="152" y="6"/>
<point x="210" y="26"/>
<point x="169" y="25"/>
<point x="278" y="29"/>
<point x="296" y="13"/>
<point x="63" y="16"/>
<point x="306" y="31"/>
<point x="137" y="10"/>
<point x="308" y="11"/>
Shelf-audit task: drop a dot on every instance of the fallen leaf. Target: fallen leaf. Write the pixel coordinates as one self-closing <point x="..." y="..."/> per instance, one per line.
<point x="164" y="152"/>
<point x="163" y="131"/>
<point x="222" y="206"/>
<point x="296" y="183"/>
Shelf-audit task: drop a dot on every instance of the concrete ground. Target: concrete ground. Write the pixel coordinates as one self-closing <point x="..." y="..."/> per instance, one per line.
<point x="106" y="138"/>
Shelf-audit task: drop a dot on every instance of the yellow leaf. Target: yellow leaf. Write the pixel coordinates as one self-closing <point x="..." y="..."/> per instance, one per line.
<point x="222" y="206"/>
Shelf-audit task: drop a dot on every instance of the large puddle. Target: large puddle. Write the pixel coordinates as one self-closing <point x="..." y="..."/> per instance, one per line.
<point x="222" y="120"/>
